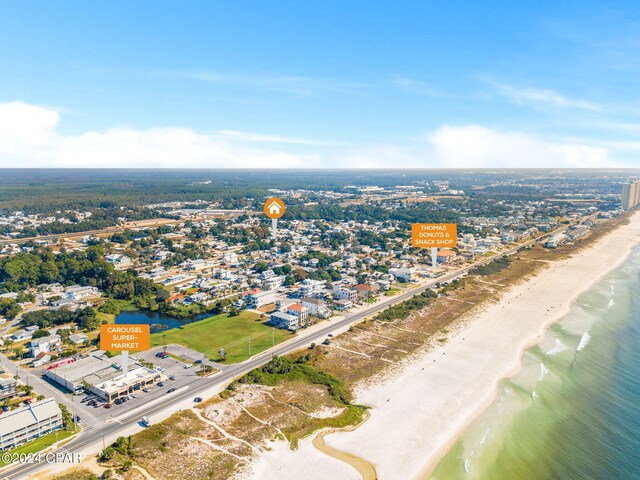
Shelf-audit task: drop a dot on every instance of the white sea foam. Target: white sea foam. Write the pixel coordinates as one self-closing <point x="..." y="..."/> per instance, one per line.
<point x="557" y="348"/>
<point x="611" y="303"/>
<point x="584" y="341"/>
<point x="543" y="371"/>
<point x="534" y="395"/>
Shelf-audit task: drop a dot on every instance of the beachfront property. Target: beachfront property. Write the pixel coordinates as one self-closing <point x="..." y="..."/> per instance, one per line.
<point x="24" y="424"/>
<point x="630" y="194"/>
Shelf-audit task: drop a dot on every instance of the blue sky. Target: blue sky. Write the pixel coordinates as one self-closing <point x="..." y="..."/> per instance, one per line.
<point x="331" y="83"/>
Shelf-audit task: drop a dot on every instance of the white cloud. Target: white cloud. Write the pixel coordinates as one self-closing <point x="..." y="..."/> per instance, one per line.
<point x="21" y="123"/>
<point x="476" y="146"/>
<point x="29" y="136"/>
<point x="546" y="97"/>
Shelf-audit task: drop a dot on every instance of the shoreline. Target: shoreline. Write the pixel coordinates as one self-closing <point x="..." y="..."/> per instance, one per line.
<point x="421" y="411"/>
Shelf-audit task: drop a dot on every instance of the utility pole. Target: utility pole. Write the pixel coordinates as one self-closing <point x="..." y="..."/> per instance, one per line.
<point x="249" y="346"/>
<point x="273" y="337"/>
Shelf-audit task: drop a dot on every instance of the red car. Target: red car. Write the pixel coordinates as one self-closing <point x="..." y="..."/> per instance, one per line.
<point x="108" y="405"/>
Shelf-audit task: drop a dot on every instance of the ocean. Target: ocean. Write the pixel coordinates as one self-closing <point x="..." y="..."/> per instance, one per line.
<point x="573" y="411"/>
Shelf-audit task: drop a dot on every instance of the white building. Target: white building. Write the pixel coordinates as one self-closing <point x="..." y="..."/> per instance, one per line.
<point x="317" y="307"/>
<point x="342" y="292"/>
<point x="299" y="311"/>
<point x="257" y="298"/>
<point x="49" y="344"/>
<point x="285" y="320"/>
<point x="24" y="424"/>
<point x="119" y="261"/>
<point x="310" y="288"/>
<point x="78" y="292"/>
<point x="403" y="274"/>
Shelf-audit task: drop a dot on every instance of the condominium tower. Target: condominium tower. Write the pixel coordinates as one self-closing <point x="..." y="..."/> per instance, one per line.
<point x="630" y="194"/>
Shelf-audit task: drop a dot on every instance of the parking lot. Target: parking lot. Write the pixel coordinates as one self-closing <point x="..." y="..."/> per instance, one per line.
<point x="174" y="376"/>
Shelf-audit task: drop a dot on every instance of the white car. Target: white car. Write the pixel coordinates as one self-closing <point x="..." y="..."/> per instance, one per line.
<point x="188" y="365"/>
<point x="160" y="369"/>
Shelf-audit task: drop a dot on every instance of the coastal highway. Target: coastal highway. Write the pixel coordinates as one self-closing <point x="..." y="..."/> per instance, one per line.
<point x="92" y="437"/>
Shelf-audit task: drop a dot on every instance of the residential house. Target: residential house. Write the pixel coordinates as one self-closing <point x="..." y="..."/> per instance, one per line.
<point x="285" y="320"/>
<point x="403" y="274"/>
<point x="344" y="292"/>
<point x="365" y="291"/>
<point x="8" y="387"/>
<point x="78" y="338"/>
<point x="316" y="306"/>
<point x="445" y="255"/>
<point x="78" y="292"/>
<point x="119" y="261"/>
<point x="344" y="304"/>
<point x="257" y="298"/>
<point x="299" y="311"/>
<point x="48" y="344"/>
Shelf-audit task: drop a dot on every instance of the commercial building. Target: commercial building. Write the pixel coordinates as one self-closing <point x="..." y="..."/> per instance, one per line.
<point x="24" y="424"/>
<point x="630" y="194"/>
<point x="125" y="384"/>
<point x="101" y="375"/>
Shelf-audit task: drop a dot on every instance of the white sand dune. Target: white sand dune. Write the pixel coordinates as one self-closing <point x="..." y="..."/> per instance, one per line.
<point x="418" y="414"/>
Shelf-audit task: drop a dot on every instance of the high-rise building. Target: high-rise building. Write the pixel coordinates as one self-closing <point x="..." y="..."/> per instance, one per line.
<point x="630" y="194"/>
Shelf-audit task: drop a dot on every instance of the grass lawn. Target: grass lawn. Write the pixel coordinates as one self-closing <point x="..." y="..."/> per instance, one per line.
<point x="392" y="291"/>
<point x="40" y="443"/>
<point x="232" y="333"/>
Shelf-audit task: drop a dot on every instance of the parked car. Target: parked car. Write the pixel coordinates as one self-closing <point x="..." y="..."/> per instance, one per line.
<point x="197" y="399"/>
<point x="198" y="361"/>
<point x="108" y="405"/>
<point x="188" y="365"/>
<point x="161" y="384"/>
<point x="146" y="390"/>
<point x="171" y="377"/>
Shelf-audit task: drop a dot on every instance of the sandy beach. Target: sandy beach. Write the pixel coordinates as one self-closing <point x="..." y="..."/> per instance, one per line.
<point x="419" y="413"/>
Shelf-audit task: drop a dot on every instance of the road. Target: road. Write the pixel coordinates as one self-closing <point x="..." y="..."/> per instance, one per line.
<point x="94" y="435"/>
<point x="116" y="228"/>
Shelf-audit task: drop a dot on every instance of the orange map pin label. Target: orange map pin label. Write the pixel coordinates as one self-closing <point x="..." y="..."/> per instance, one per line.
<point x="274" y="208"/>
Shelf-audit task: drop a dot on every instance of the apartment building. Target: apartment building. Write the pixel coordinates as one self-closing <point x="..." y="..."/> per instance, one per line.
<point x="24" y="424"/>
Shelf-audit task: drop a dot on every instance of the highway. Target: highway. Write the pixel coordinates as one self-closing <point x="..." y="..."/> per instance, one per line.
<point x="95" y="434"/>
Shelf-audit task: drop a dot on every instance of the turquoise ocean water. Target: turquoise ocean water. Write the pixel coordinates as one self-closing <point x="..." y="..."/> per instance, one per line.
<point x="573" y="411"/>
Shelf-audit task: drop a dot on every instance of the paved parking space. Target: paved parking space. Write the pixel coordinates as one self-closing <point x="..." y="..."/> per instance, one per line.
<point x="172" y="368"/>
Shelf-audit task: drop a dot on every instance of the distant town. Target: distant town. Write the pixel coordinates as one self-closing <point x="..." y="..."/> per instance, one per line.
<point x="217" y="289"/>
